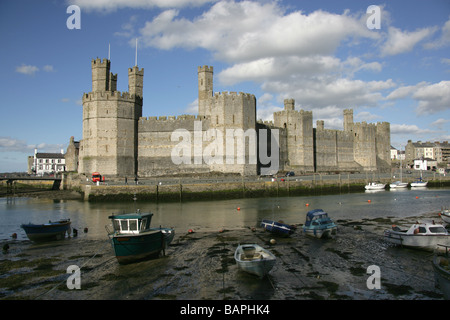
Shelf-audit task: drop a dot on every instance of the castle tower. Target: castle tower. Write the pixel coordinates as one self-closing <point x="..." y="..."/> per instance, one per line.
<point x="110" y="121"/>
<point x="136" y="81"/>
<point x="205" y="90"/>
<point x="348" y="120"/>
<point x="299" y="137"/>
<point x="100" y="75"/>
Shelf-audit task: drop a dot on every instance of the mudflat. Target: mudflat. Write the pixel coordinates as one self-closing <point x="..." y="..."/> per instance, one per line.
<point x="200" y="266"/>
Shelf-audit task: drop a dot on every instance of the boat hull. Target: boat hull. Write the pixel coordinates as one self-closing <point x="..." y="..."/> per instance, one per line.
<point x="277" y="227"/>
<point x="442" y="275"/>
<point x="259" y="264"/>
<point x="426" y="242"/>
<point x="445" y="216"/>
<point x="419" y="184"/>
<point x="47" y="232"/>
<point x="132" y="248"/>
<point x="320" y="233"/>
<point x="396" y="185"/>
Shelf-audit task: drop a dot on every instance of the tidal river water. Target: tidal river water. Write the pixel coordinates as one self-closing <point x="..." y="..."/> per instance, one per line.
<point x="224" y="214"/>
<point x="199" y="265"/>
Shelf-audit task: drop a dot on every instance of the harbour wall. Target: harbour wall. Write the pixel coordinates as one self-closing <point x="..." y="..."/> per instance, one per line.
<point x="229" y="190"/>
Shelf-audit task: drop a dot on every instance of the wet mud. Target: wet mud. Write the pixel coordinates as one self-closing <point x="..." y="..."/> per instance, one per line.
<point x="200" y="265"/>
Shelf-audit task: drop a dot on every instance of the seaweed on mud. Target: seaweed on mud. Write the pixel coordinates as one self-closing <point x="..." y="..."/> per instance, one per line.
<point x="343" y="255"/>
<point x="397" y="290"/>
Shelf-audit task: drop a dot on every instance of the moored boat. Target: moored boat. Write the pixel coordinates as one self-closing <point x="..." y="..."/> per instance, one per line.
<point x="445" y="215"/>
<point x="375" y="186"/>
<point x="441" y="268"/>
<point x="254" y="259"/>
<point x="318" y="224"/>
<point x="420" y="235"/>
<point x="398" y="184"/>
<point x="277" y="227"/>
<point x="55" y="230"/>
<point x="419" y="183"/>
<point x="133" y="239"/>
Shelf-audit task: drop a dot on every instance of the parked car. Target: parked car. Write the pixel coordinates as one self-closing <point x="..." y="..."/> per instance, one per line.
<point x="290" y="174"/>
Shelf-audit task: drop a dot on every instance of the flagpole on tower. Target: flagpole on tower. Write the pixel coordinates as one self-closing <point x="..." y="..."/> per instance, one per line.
<point x="135" y="59"/>
<point x="109" y="51"/>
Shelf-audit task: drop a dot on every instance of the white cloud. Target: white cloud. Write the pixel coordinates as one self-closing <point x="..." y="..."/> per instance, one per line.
<point x="403" y="41"/>
<point x="8" y="144"/>
<point x="31" y="70"/>
<point x="443" y="41"/>
<point x="113" y="5"/>
<point x="48" y="68"/>
<point x="440" y="123"/>
<point x="249" y="31"/>
<point x="410" y="129"/>
<point x="27" y="69"/>
<point x="433" y="98"/>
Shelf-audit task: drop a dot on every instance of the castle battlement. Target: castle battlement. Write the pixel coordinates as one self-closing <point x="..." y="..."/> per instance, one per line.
<point x="100" y="62"/>
<point x="206" y="69"/>
<point x="136" y="70"/>
<point x="182" y="117"/>
<point x="225" y="94"/>
<point x="108" y="95"/>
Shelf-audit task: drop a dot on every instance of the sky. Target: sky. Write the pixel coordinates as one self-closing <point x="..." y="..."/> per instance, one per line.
<point x="390" y="63"/>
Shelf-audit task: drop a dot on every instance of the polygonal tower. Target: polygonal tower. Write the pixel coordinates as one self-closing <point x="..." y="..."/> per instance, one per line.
<point x="110" y="120"/>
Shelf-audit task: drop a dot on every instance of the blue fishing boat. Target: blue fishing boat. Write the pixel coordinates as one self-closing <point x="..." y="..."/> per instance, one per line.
<point x="48" y="231"/>
<point x="319" y="225"/>
<point x="277" y="227"/>
<point x="133" y="239"/>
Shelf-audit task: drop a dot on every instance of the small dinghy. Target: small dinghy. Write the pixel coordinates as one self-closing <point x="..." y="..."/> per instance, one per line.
<point x="254" y="259"/>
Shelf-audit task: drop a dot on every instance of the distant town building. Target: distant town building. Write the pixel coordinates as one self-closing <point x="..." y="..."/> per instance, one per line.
<point x="425" y="164"/>
<point x="397" y="154"/>
<point x="46" y="163"/>
<point x="438" y="151"/>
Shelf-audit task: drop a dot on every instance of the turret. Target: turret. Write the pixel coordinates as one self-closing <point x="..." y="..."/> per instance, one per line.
<point x="205" y="90"/>
<point x="136" y="81"/>
<point x="348" y="120"/>
<point x="100" y="75"/>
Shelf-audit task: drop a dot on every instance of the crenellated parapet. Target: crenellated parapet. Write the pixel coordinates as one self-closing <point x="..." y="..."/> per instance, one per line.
<point x="171" y="123"/>
<point x="109" y="95"/>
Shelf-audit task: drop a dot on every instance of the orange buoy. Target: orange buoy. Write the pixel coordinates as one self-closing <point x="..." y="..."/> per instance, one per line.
<point x="238" y="208"/>
<point x="417" y="197"/>
<point x="307" y="204"/>
<point x="369" y="201"/>
<point x="190" y="231"/>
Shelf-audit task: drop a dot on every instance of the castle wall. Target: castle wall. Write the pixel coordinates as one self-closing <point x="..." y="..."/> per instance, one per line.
<point x="299" y="140"/>
<point x="365" y="145"/>
<point x="224" y="137"/>
<point x="235" y="113"/>
<point x="156" y="144"/>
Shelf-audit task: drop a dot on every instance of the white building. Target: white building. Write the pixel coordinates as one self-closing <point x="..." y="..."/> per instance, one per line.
<point x="425" y="164"/>
<point x="48" y="163"/>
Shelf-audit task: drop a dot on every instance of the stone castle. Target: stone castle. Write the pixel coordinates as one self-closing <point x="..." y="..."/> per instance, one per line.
<point x="118" y="141"/>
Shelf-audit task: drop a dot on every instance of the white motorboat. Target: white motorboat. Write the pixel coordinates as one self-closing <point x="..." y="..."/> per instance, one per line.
<point x="420" y="235"/>
<point x="398" y="184"/>
<point x="375" y="186"/>
<point x="254" y="259"/>
<point x="445" y="215"/>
